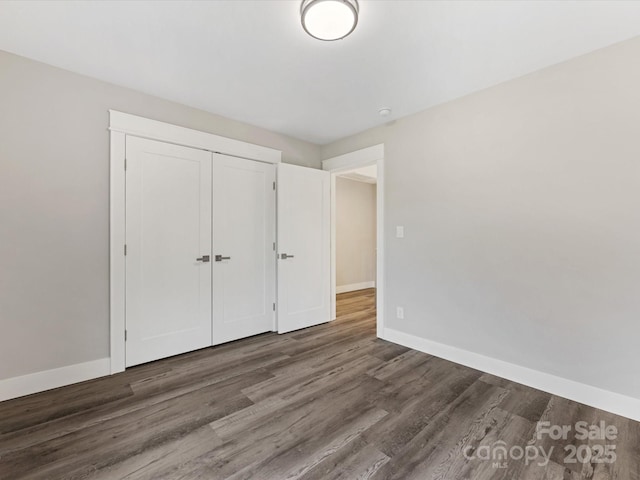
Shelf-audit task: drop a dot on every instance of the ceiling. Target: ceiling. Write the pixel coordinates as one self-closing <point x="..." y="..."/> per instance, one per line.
<point x="367" y="174"/>
<point x="251" y="60"/>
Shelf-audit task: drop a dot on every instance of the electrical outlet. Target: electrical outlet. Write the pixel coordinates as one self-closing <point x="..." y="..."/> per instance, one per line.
<point x="400" y="312"/>
<point x="399" y="231"/>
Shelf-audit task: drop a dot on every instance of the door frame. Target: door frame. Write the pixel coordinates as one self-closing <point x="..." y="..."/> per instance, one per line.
<point x="123" y="124"/>
<point x="373" y="155"/>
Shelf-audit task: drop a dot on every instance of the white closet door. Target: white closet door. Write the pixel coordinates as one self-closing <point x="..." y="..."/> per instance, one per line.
<point x="168" y="235"/>
<point x="304" y="246"/>
<point x="243" y="248"/>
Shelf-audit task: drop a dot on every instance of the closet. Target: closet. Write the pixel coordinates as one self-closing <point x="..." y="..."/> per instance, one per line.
<point x="216" y="247"/>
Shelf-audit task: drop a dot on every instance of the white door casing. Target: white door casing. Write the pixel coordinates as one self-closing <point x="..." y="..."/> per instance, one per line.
<point x="304" y="236"/>
<point x="244" y="219"/>
<point x="373" y="155"/>
<point x="168" y="227"/>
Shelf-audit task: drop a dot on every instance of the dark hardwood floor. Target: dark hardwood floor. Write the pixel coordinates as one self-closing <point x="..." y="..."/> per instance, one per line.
<point x="328" y="402"/>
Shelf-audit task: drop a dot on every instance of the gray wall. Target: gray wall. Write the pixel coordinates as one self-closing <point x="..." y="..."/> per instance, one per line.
<point x="54" y="207"/>
<point x="355" y="232"/>
<point x="521" y="208"/>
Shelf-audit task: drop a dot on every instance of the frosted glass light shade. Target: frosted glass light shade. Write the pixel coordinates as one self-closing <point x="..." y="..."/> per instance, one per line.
<point x="329" y="19"/>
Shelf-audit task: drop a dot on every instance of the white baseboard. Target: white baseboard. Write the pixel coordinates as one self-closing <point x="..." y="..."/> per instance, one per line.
<point x="57" y="377"/>
<point x="354" y="286"/>
<point x="593" y="396"/>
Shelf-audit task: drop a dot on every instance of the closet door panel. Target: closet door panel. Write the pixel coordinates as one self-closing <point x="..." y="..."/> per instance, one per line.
<point x="243" y="248"/>
<point x="168" y="236"/>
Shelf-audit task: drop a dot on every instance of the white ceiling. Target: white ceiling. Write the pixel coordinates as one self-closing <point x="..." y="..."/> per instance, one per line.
<point x="251" y="60"/>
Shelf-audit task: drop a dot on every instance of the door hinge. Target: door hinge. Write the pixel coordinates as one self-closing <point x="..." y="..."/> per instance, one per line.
<point x="125" y="164"/>
<point x="274" y="306"/>
<point x="274" y="246"/>
<point x="125" y="335"/>
<point x="274" y="185"/>
<point x="125" y="249"/>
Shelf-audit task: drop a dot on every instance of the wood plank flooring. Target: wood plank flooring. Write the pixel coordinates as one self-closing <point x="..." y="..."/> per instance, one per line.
<point x="328" y="402"/>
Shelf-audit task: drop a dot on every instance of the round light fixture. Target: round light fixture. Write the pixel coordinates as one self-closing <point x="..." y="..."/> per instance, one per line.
<point x="329" y="20"/>
<point x="384" y="112"/>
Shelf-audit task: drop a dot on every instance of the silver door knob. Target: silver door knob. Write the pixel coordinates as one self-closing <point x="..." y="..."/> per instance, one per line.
<point x="204" y="259"/>
<point x="220" y="258"/>
<point x="284" y="256"/>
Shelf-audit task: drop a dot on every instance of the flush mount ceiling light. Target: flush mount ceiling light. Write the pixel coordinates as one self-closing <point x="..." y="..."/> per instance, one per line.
<point x="329" y="20"/>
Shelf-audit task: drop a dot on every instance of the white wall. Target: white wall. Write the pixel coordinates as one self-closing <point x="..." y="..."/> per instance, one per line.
<point x="355" y="233"/>
<point x="522" y="220"/>
<point x="54" y="207"/>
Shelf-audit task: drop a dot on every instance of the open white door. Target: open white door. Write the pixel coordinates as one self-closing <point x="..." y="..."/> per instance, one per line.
<point x="304" y="245"/>
<point x="244" y="261"/>
<point x="168" y="242"/>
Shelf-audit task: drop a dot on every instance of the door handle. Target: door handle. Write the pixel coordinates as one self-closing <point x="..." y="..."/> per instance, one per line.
<point x="220" y="258"/>
<point x="284" y="256"/>
<point x="204" y="259"/>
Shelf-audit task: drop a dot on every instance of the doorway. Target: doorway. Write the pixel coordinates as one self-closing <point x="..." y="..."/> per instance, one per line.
<point x="365" y="165"/>
<point x="356" y="229"/>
